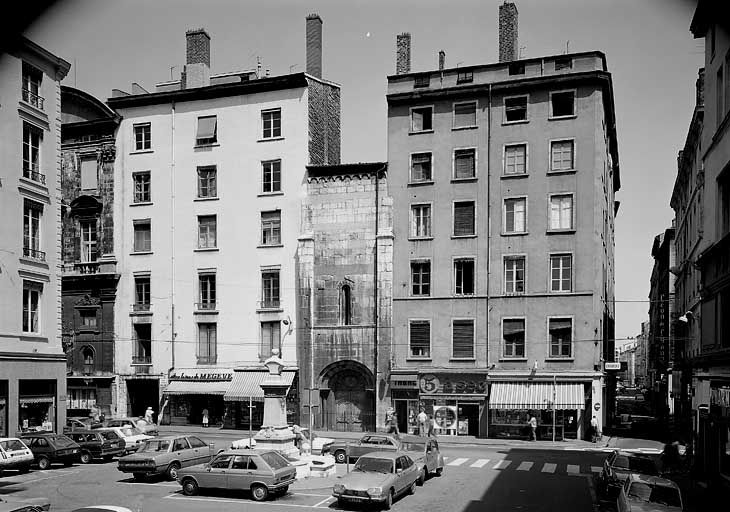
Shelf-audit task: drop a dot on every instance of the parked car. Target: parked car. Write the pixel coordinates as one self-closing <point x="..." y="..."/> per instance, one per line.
<point x="48" y="448"/>
<point x="133" y="421"/>
<point x="132" y="437"/>
<point x="166" y="455"/>
<point x="98" y="444"/>
<point x="264" y="473"/>
<point x="318" y="445"/>
<point x="425" y="453"/>
<point x="24" y="505"/>
<point x="644" y="493"/>
<point x="648" y="446"/>
<point x="367" y="443"/>
<point x="620" y="464"/>
<point x="378" y="477"/>
<point x="14" y="454"/>
<point x="80" y="423"/>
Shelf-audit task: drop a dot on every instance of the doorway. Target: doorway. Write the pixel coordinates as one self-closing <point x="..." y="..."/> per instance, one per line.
<point x="468" y="417"/>
<point x="142" y="393"/>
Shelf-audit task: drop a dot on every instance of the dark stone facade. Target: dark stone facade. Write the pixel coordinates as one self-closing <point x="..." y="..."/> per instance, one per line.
<point x="324" y="123"/>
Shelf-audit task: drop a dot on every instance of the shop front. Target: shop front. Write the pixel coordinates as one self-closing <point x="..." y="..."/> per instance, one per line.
<point x="191" y="391"/>
<point x="558" y="407"/>
<point x="243" y="401"/>
<point x="37" y="405"/>
<point x="713" y="439"/>
<point x="87" y="392"/>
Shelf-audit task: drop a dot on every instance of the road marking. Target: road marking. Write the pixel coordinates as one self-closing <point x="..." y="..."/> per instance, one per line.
<point x="573" y="469"/>
<point x="239" y="502"/>
<point x="525" y="466"/>
<point x="480" y="463"/>
<point x="323" y="501"/>
<point x="502" y="464"/>
<point x="596" y="469"/>
<point x="549" y="468"/>
<point x="457" y="462"/>
<point x="148" y="484"/>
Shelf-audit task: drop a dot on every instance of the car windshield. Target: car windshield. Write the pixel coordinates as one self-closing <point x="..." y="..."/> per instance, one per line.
<point x="63" y="441"/>
<point x="414" y="447"/>
<point x="274" y="460"/>
<point x="155" y="445"/>
<point x="12" y="445"/>
<point x="655" y="494"/>
<point x="637" y="465"/>
<point x="373" y="464"/>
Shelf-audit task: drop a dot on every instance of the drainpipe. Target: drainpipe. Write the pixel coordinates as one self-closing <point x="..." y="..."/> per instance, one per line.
<point x="172" y="233"/>
<point x="375" y="300"/>
<point x="489" y="227"/>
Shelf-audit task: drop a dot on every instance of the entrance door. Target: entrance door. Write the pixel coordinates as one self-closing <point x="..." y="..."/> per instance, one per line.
<point x="353" y="403"/>
<point x="142" y="393"/>
<point x="468" y="417"/>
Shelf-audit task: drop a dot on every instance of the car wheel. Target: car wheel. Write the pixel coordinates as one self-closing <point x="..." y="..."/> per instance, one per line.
<point x="85" y="458"/>
<point x="388" y="501"/>
<point x="412" y="488"/>
<point x="139" y="477"/>
<point x="172" y="470"/>
<point x="190" y="487"/>
<point x="422" y="477"/>
<point x="340" y="456"/>
<point x="259" y="492"/>
<point x="44" y="463"/>
<point x="439" y="471"/>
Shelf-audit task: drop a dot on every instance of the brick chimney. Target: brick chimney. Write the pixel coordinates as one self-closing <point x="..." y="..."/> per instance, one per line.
<point x="700" y="85"/>
<point x="314" y="45"/>
<point x="403" y="53"/>
<point x="508" y="32"/>
<point x="442" y="60"/>
<point x="197" y="64"/>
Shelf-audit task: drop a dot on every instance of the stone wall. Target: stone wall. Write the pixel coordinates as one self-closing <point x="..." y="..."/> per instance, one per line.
<point x="324" y="123"/>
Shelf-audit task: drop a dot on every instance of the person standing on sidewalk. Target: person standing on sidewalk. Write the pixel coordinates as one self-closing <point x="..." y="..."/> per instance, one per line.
<point x="594" y="429"/>
<point x="422" y="422"/>
<point x="533" y="429"/>
<point x="205" y="418"/>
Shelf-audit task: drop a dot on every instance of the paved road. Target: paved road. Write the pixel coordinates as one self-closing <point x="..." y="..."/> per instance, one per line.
<point x="476" y="479"/>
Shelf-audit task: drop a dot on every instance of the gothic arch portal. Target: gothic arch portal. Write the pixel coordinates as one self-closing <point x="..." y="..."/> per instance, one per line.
<point x="348" y="397"/>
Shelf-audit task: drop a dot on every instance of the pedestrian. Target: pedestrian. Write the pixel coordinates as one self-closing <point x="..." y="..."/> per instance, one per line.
<point x="594" y="429"/>
<point x="422" y="422"/>
<point x="430" y="425"/>
<point x="533" y="429"/>
<point x="393" y="424"/>
<point x="205" y="418"/>
<point x="148" y="415"/>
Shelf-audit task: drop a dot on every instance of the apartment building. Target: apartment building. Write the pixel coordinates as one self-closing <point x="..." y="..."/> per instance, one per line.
<point x="503" y="282"/>
<point x="209" y="177"/>
<point x="32" y="362"/>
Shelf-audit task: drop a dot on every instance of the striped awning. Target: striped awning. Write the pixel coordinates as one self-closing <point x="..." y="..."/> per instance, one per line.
<point x="183" y="387"/>
<point x="536" y="395"/>
<point x="247" y="384"/>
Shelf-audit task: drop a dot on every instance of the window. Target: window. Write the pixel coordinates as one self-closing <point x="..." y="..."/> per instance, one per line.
<point x="88" y="318"/>
<point x="87" y="354"/>
<point x="561" y="155"/>
<point x="271" y="228"/>
<point x="515" y="109"/>
<point x="207" y="131"/>
<point x="271" y="120"/>
<point x="464" y="218"/>
<point x="421" y="221"/>
<point x="31" y="304"/>
<point x="142" y="186"/>
<point x="464" y="77"/>
<point x="421" y="119"/>
<point x="465" y="114"/>
<point x="462" y="339"/>
<point x="88" y="240"/>
<point x="345" y="305"/>
<point x="422" y="81"/>
<point x="419" y="333"/>
<point x="515" y="215"/>
<point x="515" y="159"/>
<point x="142" y="293"/>
<point x="563" y="63"/>
<point x="464" y="276"/>
<point x="207" y="232"/>
<point x="206" y="284"/>
<point x="31" y="91"/>
<point x="514" y="274"/>
<point x="207" y="182"/>
<point x="561" y="212"/>
<point x="32" y="138"/>
<point x="271" y="179"/>
<point x="465" y="163"/>
<point x="561" y="273"/>
<point x="32" y="213"/>
<point x="421" y="167"/>
<point x="142" y="235"/>
<point x="513" y="337"/>
<point x="561" y="337"/>
<point x="89" y="176"/>
<point x="222" y="462"/>
<point x="562" y="104"/>
<point x="420" y="278"/>
<point x="270" y="289"/>
<point x="270" y="338"/>
<point x="719" y="92"/>
<point x="207" y="350"/>
<point x="142" y="136"/>
<point x="142" y="344"/>
<point x="517" y="68"/>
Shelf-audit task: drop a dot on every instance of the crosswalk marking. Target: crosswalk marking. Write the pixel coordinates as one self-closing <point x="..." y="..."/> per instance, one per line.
<point x="480" y="463"/>
<point x="525" y="466"/>
<point x="549" y="468"/>
<point x="457" y="462"/>
<point x="596" y="469"/>
<point x="572" y="468"/>
<point x="501" y="464"/>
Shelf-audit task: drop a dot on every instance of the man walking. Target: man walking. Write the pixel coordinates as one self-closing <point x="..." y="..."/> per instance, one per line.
<point x="422" y="422"/>
<point x="533" y="429"/>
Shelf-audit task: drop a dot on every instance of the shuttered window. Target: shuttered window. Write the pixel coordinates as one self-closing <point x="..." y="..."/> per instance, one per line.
<point x="464" y="163"/>
<point x="421" y="167"/>
<point x="420" y="338"/>
<point x="465" y="114"/>
<point x="513" y="337"/>
<point x="142" y="235"/>
<point x="463" y="339"/>
<point x="464" y="224"/>
<point x="561" y="337"/>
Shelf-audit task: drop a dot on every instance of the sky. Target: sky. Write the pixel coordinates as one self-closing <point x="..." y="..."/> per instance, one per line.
<point x="649" y="50"/>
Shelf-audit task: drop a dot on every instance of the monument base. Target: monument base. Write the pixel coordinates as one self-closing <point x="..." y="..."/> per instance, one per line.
<point x="279" y="439"/>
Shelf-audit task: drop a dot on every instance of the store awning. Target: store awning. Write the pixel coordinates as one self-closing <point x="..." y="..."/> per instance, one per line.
<point x="182" y="387"/>
<point x="536" y="395"/>
<point x="247" y="384"/>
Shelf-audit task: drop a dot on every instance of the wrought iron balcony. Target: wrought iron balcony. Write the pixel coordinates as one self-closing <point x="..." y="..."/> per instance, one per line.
<point x="34" y="254"/>
<point x="138" y="307"/>
<point x="205" y="306"/>
<point x="207" y="359"/>
<point x="269" y="304"/>
<point x="87" y="267"/>
<point x="32" y="174"/>
<point x="141" y="359"/>
<point x="32" y="99"/>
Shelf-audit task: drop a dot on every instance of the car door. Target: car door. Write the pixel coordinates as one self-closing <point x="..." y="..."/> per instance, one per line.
<point x="201" y="452"/>
<point x="245" y="470"/>
<point x="216" y="476"/>
<point x="400" y="475"/>
<point x="369" y="444"/>
<point x="41" y="447"/>
<point x="182" y="452"/>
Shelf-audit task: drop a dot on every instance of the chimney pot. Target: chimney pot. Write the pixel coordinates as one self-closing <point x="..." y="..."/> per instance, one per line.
<point x="507" y="32"/>
<point x="314" y="45"/>
<point x="442" y="60"/>
<point x="403" y="53"/>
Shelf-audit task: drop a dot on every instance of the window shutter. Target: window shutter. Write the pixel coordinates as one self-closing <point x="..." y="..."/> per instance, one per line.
<point x="464" y="163"/>
<point x="420" y="338"/>
<point x="417" y="121"/>
<point x="463" y="219"/>
<point x="463" y="338"/>
<point x="465" y="114"/>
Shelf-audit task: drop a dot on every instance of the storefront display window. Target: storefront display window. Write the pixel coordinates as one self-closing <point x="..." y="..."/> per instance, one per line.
<point x="725" y="450"/>
<point x="36" y="405"/>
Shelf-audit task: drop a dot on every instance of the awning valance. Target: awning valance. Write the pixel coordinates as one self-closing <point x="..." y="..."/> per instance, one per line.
<point x="247" y="384"/>
<point x="536" y="395"/>
<point x="182" y="387"/>
<point x="26" y="400"/>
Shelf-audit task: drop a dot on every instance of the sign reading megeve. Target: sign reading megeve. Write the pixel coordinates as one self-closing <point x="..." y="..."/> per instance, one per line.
<point x="202" y="375"/>
<point x="452" y="384"/>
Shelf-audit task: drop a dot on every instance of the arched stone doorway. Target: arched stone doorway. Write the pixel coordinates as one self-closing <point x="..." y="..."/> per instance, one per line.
<point x="347" y="396"/>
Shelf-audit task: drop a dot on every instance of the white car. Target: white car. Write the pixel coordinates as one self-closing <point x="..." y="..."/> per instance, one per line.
<point x="14" y="454"/>
<point x="133" y="437"/>
<point x="319" y="445"/>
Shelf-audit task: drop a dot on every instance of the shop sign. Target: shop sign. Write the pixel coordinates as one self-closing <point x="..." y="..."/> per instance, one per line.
<point x="207" y="375"/>
<point x="447" y="384"/>
<point x="444" y="416"/>
<point x="597" y="407"/>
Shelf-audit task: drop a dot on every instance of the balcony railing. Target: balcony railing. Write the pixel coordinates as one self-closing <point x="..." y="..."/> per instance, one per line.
<point x="207" y="359"/>
<point x="87" y="267"/>
<point x="205" y="306"/>
<point x="141" y="359"/>
<point x="34" y="254"/>
<point x="138" y="307"/>
<point x="33" y="175"/>
<point x="269" y="304"/>
<point x="32" y="99"/>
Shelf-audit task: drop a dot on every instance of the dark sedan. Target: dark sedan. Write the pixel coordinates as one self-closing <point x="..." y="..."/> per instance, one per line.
<point x="166" y="455"/>
<point x="368" y="443"/>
